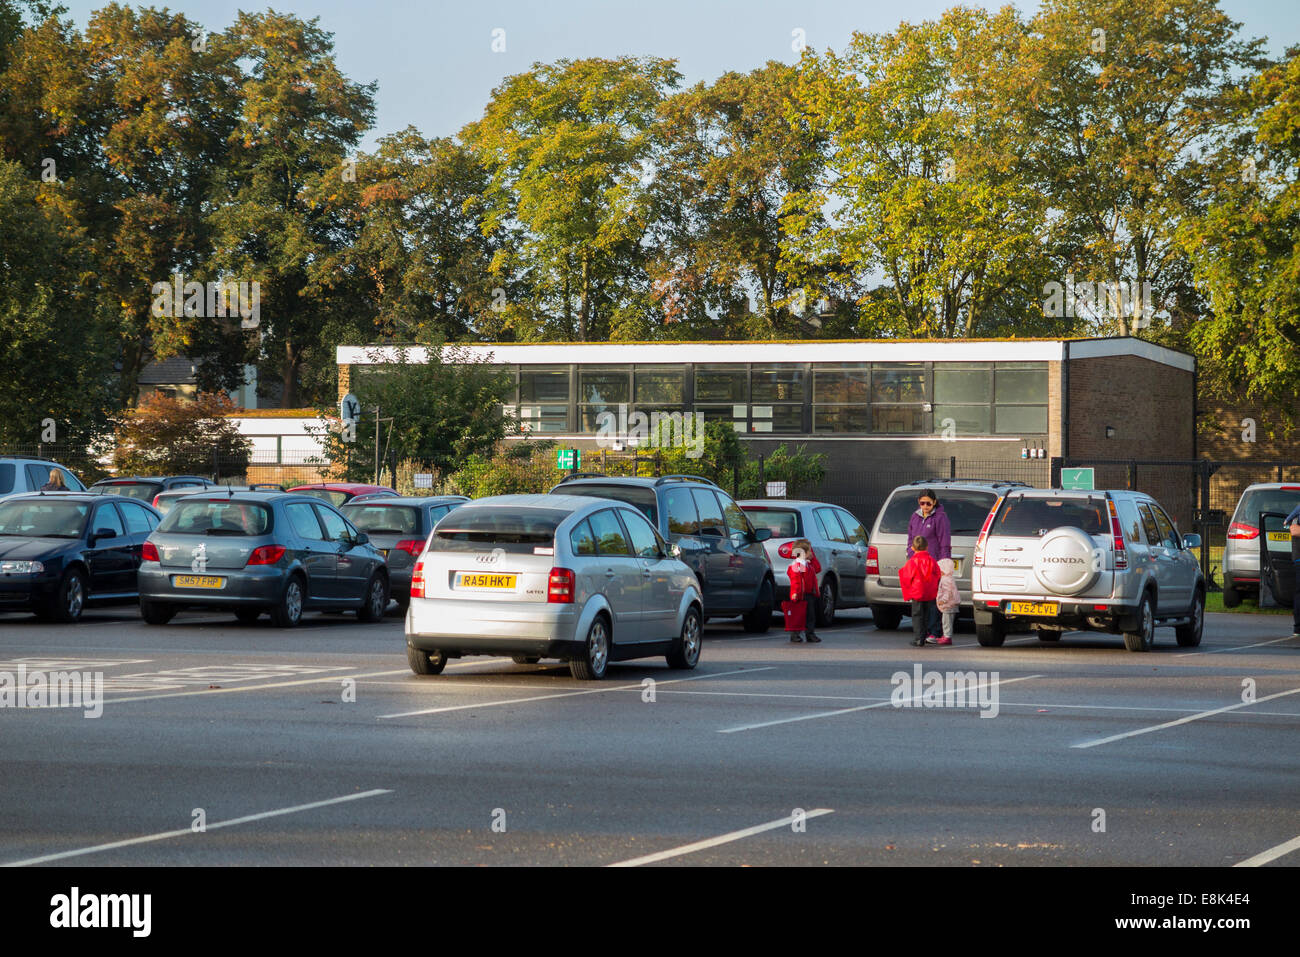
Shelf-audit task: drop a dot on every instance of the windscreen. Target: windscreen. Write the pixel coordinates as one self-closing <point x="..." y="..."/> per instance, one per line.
<point x="204" y="516"/>
<point x="144" y="491"/>
<point x="384" y="519"/>
<point x="642" y="498"/>
<point x="1035" y="517"/>
<point x="966" y="510"/>
<point x="782" y="522"/>
<point x="43" y="519"/>
<point x="1266" y="500"/>
<point x="517" y="531"/>
<point x="327" y="495"/>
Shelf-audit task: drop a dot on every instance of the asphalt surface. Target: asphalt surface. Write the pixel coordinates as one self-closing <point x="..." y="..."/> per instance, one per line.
<point x="317" y="746"/>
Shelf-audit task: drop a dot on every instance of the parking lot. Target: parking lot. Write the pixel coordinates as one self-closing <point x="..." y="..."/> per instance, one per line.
<point x="318" y="746"/>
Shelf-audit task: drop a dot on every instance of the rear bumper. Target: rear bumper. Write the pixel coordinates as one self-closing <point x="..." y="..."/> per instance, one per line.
<point x="256" y="586"/>
<point x="454" y="627"/>
<point x="1072" y="615"/>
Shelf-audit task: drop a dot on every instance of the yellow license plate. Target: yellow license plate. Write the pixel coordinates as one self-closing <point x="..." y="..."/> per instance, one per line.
<point x="1033" y="608"/>
<point x="478" y="580"/>
<point x="1279" y="536"/>
<point x="198" y="581"/>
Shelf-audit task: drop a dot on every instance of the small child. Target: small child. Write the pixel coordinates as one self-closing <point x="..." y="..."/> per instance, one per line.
<point x="803" y="574"/>
<point x="947" y="600"/>
<point x="920" y="580"/>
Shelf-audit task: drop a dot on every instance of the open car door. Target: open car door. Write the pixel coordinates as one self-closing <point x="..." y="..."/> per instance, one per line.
<point x="1276" y="567"/>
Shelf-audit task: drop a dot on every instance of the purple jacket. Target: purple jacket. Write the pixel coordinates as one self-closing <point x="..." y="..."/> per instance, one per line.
<point x="935" y="531"/>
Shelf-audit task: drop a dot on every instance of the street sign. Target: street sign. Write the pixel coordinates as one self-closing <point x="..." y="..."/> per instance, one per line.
<point x="423" y="480"/>
<point x="568" y="458"/>
<point x="776" y="490"/>
<point x="1077" y="478"/>
<point x="350" y="408"/>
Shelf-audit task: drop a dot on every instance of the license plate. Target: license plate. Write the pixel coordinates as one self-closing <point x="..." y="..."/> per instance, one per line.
<point x="479" y="580"/>
<point x="198" y="581"/>
<point x="1279" y="536"/>
<point x="1033" y="608"/>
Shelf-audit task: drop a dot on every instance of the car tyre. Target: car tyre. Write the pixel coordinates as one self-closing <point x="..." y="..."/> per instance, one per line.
<point x="758" y="620"/>
<point x="685" y="651"/>
<point x="826" y="604"/>
<point x="1189" y="635"/>
<point x="426" y="662"/>
<point x="595" y="658"/>
<point x="886" y="617"/>
<point x="288" y="612"/>
<point x="1144" y="637"/>
<point x="1231" y="597"/>
<point x="375" y="601"/>
<point x="991" y="635"/>
<point x="70" y="599"/>
<point x="156" y="613"/>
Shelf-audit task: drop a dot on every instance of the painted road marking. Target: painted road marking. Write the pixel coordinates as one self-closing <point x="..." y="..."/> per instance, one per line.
<point x="1272" y="854"/>
<point x="1219" y="651"/>
<point x="570" y="694"/>
<point x="181" y="832"/>
<point x="721" y="839"/>
<point x="1186" y="720"/>
<point x="865" y="707"/>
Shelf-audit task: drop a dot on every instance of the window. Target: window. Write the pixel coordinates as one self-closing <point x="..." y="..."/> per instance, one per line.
<point x="966" y="510"/>
<point x="544" y="399"/>
<point x="847" y="385"/>
<point x="830" y="526"/>
<point x="1168" y="536"/>
<point x="645" y="541"/>
<point x="336" y="530"/>
<point x="581" y="540"/>
<point x="106" y="518"/>
<point x="1149" y="524"/>
<point x="1020" y="398"/>
<point x="711" y="519"/>
<point x="484" y="528"/>
<point x="206" y="516"/>
<point x="682" y="517"/>
<point x="965" y="419"/>
<point x="1013" y="419"/>
<point x="385" y="519"/>
<point x="634" y="495"/>
<point x="1035" y="517"/>
<point x="852" y="527"/>
<point x="610" y="539"/>
<point x="302" y="518"/>
<point x="722" y="385"/>
<point x="737" y="522"/>
<point x="782" y="523"/>
<point x="6" y="478"/>
<point x="777" y="398"/>
<point x="71" y="481"/>
<point x="137" y="519"/>
<point x="963" y="384"/>
<point x="897" y="397"/>
<point x="664" y="389"/>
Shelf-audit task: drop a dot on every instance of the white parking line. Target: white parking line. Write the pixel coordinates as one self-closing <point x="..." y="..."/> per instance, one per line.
<point x="181" y="832"/>
<point x="1186" y="720"/>
<point x="865" y="707"/>
<point x="1272" y="854"/>
<point x="721" y="839"/>
<point x="570" y="694"/>
<point x="1219" y="651"/>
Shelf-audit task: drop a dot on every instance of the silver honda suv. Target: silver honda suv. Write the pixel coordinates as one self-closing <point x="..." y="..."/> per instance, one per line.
<point x="1056" y="561"/>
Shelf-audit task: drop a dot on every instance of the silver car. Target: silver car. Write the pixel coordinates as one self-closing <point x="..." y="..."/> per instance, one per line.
<point x="838" y="539"/>
<point x="586" y="580"/>
<point x="1242" y="546"/>
<point x="1056" y="561"/>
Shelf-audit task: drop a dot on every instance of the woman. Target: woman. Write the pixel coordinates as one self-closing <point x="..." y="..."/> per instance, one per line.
<point x="930" y="523"/>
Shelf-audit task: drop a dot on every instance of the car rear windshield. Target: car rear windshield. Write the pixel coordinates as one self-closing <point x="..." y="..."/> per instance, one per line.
<point x="205" y="516"/>
<point x="517" y="531"/>
<point x="144" y="491"/>
<point x="782" y="522"/>
<point x="966" y="510"/>
<point x="1035" y="517"/>
<point x="635" y="495"/>
<point x="328" y="495"/>
<point x="385" y="519"/>
<point x="43" y="519"/>
<point x="1266" y="500"/>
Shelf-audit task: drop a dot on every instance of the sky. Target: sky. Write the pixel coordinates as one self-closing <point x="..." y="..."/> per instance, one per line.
<point x="436" y="67"/>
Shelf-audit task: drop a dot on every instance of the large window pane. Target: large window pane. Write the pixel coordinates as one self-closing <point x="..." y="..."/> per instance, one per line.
<point x="1021" y="385"/>
<point x="841" y="419"/>
<point x="897" y="418"/>
<point x="721" y="385"/>
<point x="898" y="384"/>
<point x="963" y="385"/>
<point x="776" y="418"/>
<point x="735" y="414"/>
<point x="1013" y="419"/>
<point x="544" y="418"/>
<point x="776" y="384"/>
<point x="662" y="387"/>
<point x="604" y="386"/>
<point x="543" y="385"/>
<point x="968" y="419"/>
<point x="841" y="386"/>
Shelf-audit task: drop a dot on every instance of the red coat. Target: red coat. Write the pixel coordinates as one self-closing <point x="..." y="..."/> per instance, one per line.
<point x="805" y="584"/>
<point x="920" y="578"/>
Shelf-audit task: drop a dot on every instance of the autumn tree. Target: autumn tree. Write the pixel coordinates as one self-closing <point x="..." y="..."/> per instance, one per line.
<point x="171" y="436"/>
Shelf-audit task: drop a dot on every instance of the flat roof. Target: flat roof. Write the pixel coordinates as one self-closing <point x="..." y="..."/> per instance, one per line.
<point x="821" y="350"/>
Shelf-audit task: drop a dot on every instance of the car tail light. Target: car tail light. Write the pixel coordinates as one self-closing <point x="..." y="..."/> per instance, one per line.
<point x="1117" y="537"/>
<point x="559" y="586"/>
<point x="991" y="603"/>
<point x="873" y="560"/>
<point x="984" y="533"/>
<point x="266" y="555"/>
<point x="1240" y="530"/>
<point x="154" y="503"/>
<point x="149" y="552"/>
<point x="412" y="546"/>
<point x="417" y="580"/>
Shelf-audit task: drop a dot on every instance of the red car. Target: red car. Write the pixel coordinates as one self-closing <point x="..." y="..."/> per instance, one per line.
<point x="336" y="493"/>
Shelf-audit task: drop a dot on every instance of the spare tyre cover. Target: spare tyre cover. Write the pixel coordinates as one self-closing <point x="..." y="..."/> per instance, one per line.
<point x="1068" y="561"/>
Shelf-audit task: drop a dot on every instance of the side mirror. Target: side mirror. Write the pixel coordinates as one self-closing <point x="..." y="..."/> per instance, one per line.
<point x="762" y="534"/>
<point x="1191" y="541"/>
<point x="104" y="533"/>
<point x="362" y="539"/>
<point x="675" y="550"/>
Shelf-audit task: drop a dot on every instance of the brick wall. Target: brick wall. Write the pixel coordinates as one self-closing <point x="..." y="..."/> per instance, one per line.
<point x="1150" y="405"/>
<point x="1220" y="430"/>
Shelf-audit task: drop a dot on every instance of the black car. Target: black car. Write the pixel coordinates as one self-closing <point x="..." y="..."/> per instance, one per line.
<point x="398" y="527"/>
<point x="716" y="538"/>
<point x="145" y="488"/>
<point x="61" y="551"/>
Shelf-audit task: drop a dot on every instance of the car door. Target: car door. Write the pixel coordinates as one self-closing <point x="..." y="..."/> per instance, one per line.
<point x="682" y="523"/>
<point x="1158" y="562"/>
<point x="719" y="555"/>
<point x="856" y="534"/>
<point x="112" y="566"/>
<point x="623" y="584"/>
<point x="139" y="522"/>
<point x="843" y="556"/>
<point x="354" y="562"/>
<point x="659" y="597"/>
<point x="748" y="562"/>
<point x="1181" y="563"/>
<point x="319" y="557"/>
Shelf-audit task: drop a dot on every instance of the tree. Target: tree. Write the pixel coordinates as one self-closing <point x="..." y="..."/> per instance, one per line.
<point x="567" y="147"/>
<point x="167" y="436"/>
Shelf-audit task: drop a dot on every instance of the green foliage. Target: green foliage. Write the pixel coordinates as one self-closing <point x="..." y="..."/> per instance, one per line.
<point x="514" y="469"/>
<point x="799" y="469"/>
<point x="166" y="436"/>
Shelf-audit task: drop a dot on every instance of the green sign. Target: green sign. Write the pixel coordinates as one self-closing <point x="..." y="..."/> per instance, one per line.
<point x="568" y="458"/>
<point x="1077" y="478"/>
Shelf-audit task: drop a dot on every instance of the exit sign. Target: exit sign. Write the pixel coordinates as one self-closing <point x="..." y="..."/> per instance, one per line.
<point x="1077" y="478"/>
<point x="568" y="458"/>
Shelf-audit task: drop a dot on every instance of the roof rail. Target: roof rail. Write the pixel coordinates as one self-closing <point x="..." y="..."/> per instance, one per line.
<point x="692" y="478"/>
<point x="952" y="481"/>
<point x="582" y="475"/>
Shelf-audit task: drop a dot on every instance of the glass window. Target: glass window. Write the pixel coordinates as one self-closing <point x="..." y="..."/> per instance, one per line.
<point x="37" y="475"/>
<point x="1149" y="524"/>
<point x="336" y="530"/>
<point x="966" y="419"/>
<point x="733" y="414"/>
<point x="782" y="523"/>
<point x="779" y="384"/>
<point x="543" y="385"/>
<point x="43" y="518"/>
<point x="645" y="542"/>
<point x="106" y="518"/>
<point x="898" y="384"/>
<point x="1021" y="385"/>
<point x="737" y="523"/>
<point x="544" y="418"/>
<point x="204" y="516"/>
<point x="897" y="418"/>
<point x="384" y="519"/>
<point x="7" y="472"/>
<point x="682" y="517"/>
<point x="963" y="385"/>
<point x="852" y="527"/>
<point x="711" y="519"/>
<point x="662" y="387"/>
<point x="610" y="539"/>
<point x="581" y="540"/>
<point x="137" y="519"/>
<point x="1168" y="537"/>
<point x="841" y="419"/>
<point x="841" y="386"/>
<point x="604" y="386"/>
<point x="302" y="517"/>
<point x="70" y="480"/>
<point x="1037" y="516"/>
<point x="634" y="495"/>
<point x="966" y="510"/>
<point x="830" y="526"/>
<point x="721" y="385"/>
<point x="487" y="527"/>
<point x="1017" y="419"/>
<point x="144" y="491"/>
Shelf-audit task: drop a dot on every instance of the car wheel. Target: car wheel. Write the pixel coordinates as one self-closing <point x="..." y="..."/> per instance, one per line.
<point x="759" y="619"/>
<point x="886" y="617"/>
<point x="525" y="659"/>
<point x="685" y="652"/>
<point x="1231" y="597"/>
<point x="826" y="607"/>
<point x="288" y="612"/>
<point x="70" y="600"/>
<point x="1144" y="637"/>
<point x="156" y="613"/>
<point x="1189" y="635"/>
<point x="376" y="600"/>
<point x="993" y="634"/>
<point x="426" y="662"/>
<point x="248" y="616"/>
<point x="595" y="659"/>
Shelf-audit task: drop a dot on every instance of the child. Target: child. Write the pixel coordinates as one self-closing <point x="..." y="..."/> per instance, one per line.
<point x="947" y="600"/>
<point x="803" y="574"/>
<point x="920" y="580"/>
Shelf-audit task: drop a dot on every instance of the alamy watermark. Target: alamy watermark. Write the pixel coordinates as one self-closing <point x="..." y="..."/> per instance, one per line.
<point x="211" y="300"/>
<point x="1110" y="299"/>
<point x="946" y="689"/>
<point x="54" y="689"/>
<point x="657" y="430"/>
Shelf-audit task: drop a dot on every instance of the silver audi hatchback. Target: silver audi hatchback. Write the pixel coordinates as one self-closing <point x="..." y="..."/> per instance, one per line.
<point x="585" y="580"/>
